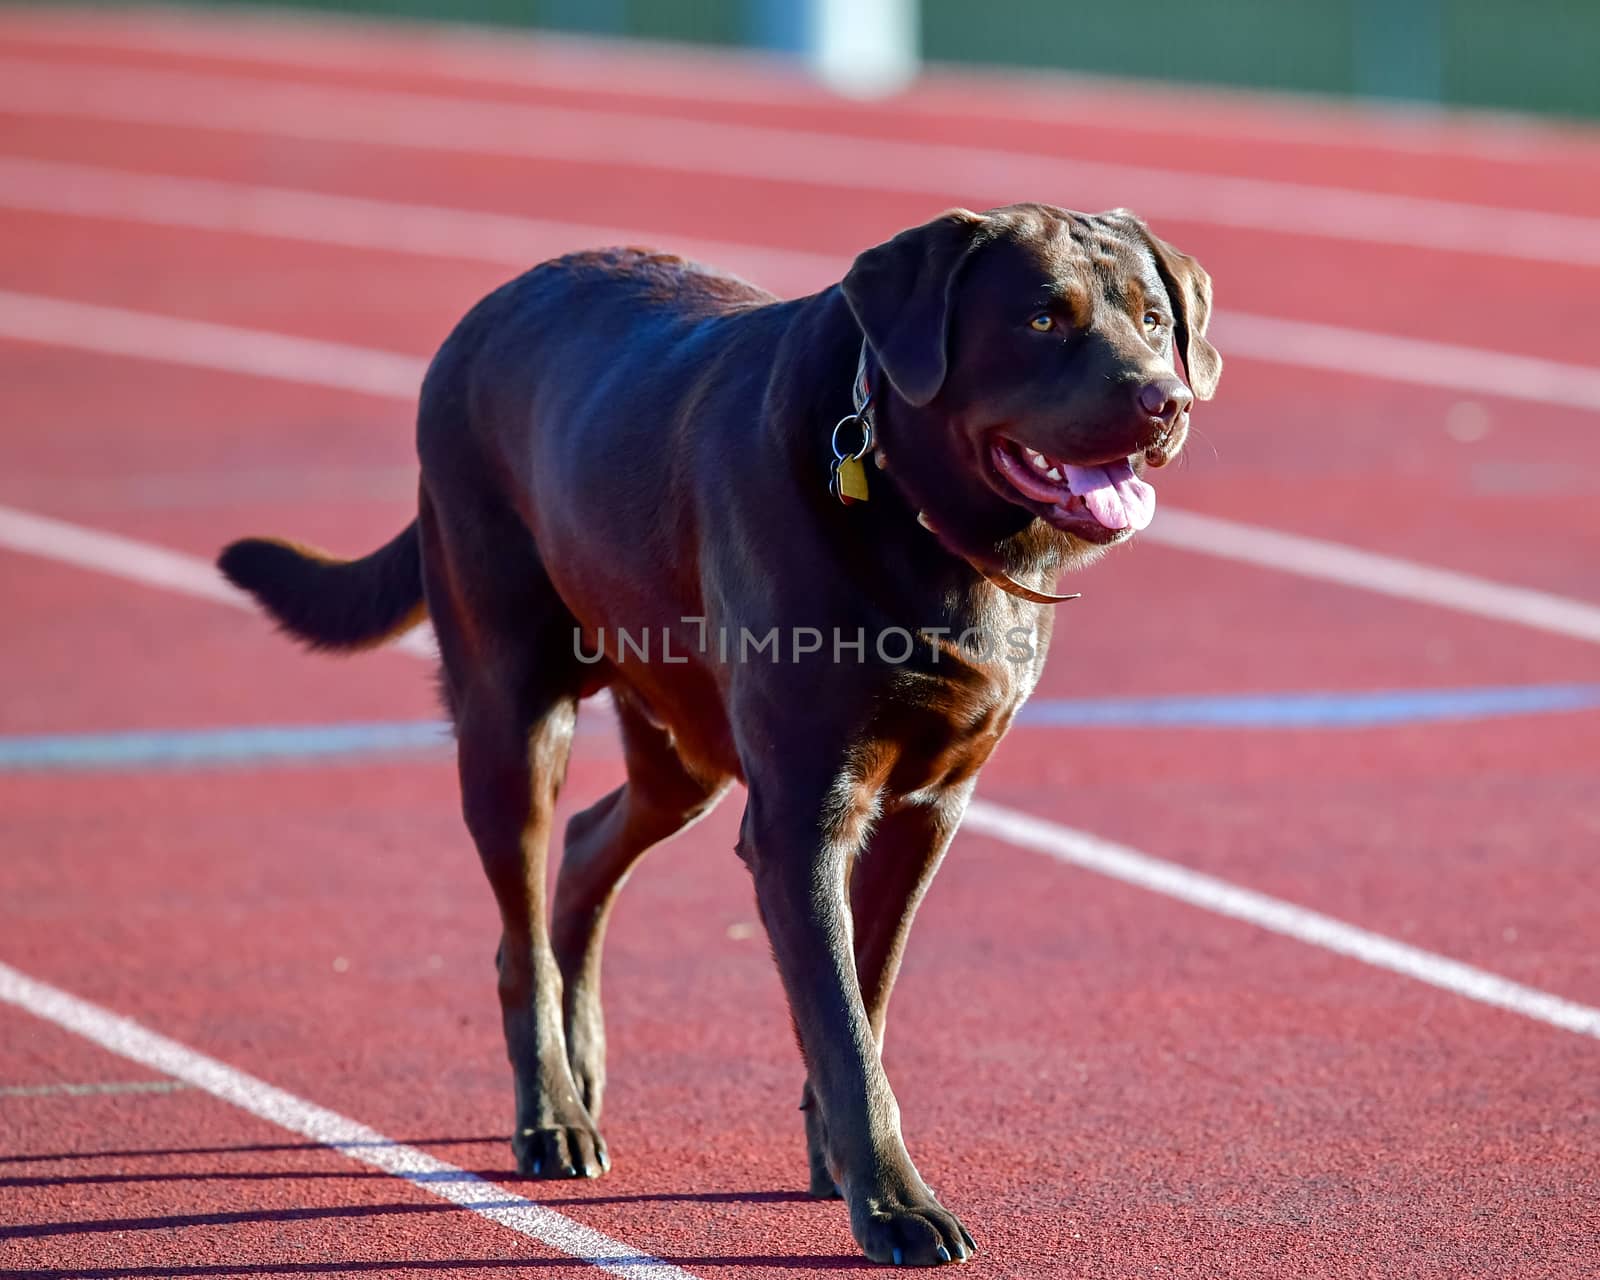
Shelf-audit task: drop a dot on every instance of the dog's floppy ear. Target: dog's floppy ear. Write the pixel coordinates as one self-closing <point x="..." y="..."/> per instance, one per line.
<point x="1190" y="289"/>
<point x="900" y="294"/>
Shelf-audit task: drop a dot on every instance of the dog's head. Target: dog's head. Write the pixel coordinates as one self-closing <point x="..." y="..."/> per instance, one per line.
<point x="1036" y="351"/>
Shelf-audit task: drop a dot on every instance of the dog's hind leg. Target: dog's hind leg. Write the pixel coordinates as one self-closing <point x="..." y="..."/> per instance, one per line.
<point x="886" y="887"/>
<point x="661" y="797"/>
<point x="512" y="681"/>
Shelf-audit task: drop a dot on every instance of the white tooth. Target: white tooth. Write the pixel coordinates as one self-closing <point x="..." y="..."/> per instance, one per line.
<point x="1040" y="463"/>
<point x="1053" y="474"/>
<point x="1032" y="453"/>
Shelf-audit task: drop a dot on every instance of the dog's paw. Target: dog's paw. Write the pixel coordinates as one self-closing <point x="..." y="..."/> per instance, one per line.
<point x="563" y="1151"/>
<point x="917" y="1233"/>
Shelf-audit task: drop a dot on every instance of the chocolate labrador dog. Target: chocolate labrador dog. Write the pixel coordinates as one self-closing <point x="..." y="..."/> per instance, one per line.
<point x="643" y="475"/>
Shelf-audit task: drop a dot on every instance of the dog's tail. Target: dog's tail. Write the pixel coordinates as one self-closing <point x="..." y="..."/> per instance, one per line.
<point x="329" y="603"/>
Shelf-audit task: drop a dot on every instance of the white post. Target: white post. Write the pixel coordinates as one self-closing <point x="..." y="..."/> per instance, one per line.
<point x="864" y="48"/>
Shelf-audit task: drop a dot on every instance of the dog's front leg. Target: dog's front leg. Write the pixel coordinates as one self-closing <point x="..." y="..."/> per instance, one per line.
<point x="799" y="849"/>
<point x="886" y="886"/>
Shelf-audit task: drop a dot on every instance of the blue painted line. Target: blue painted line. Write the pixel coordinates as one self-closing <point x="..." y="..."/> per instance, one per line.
<point x="266" y="744"/>
<point x="1327" y="710"/>
<point x="187" y="748"/>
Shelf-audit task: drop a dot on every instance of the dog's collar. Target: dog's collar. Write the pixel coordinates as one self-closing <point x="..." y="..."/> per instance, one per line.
<point x="848" y="481"/>
<point x="861" y="390"/>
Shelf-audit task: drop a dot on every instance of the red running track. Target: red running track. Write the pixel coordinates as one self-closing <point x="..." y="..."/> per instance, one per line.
<point x="1103" y="1082"/>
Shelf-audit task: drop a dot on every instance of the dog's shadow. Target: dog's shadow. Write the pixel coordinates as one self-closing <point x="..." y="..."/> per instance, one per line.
<point x="541" y="1192"/>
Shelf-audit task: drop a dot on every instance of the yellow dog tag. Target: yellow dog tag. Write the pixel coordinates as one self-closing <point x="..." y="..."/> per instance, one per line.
<point x="850" y="480"/>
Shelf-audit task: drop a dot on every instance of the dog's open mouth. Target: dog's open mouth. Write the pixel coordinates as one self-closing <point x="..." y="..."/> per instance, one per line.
<point x="1095" y="501"/>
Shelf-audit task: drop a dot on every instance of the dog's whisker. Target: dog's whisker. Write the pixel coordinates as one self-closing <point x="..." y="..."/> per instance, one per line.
<point x="1187" y="455"/>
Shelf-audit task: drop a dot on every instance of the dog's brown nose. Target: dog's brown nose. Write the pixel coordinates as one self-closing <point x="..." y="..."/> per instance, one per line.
<point x="1167" y="400"/>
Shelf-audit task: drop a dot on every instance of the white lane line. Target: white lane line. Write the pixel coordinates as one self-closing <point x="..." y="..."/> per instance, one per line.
<point x="356" y="222"/>
<point x="1413" y="360"/>
<point x="144" y="563"/>
<point x="1172" y="880"/>
<point x="314" y="363"/>
<point x="1212" y="894"/>
<point x="128" y="1039"/>
<point x="625" y="67"/>
<point x="83" y="191"/>
<point x="1076" y="848"/>
<point x="1371" y="571"/>
<point x="116" y="331"/>
<point x="654" y="141"/>
<point x="94" y="1090"/>
<point x="120" y="557"/>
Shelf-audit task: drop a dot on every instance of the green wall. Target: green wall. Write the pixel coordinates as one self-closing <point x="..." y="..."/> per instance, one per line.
<point x="1537" y="55"/>
<point x="1298" y="44"/>
<point x="1530" y="55"/>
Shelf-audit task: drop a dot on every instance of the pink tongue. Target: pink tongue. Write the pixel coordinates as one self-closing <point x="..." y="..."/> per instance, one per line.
<point x="1116" y="497"/>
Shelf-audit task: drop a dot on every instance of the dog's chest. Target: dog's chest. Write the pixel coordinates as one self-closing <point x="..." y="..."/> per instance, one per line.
<point x="944" y="726"/>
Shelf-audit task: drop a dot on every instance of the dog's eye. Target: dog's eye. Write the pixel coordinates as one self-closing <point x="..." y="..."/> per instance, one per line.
<point x="1042" y="323"/>
<point x="1153" y="320"/>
